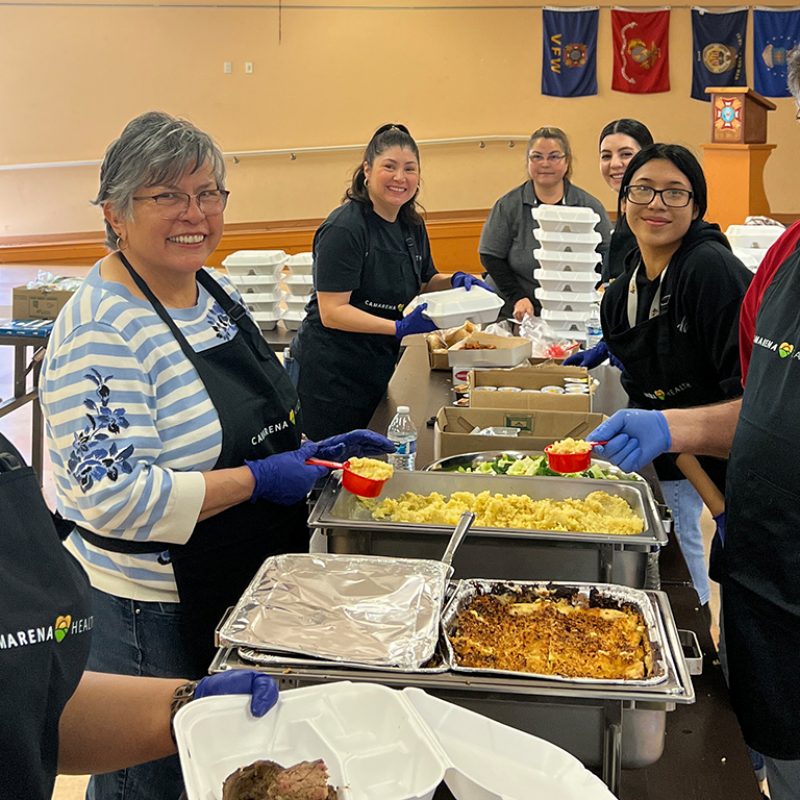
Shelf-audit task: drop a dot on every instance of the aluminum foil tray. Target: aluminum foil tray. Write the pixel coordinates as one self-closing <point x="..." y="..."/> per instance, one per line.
<point x="336" y="508"/>
<point x="608" y="595"/>
<point x="370" y="610"/>
<point x="437" y="664"/>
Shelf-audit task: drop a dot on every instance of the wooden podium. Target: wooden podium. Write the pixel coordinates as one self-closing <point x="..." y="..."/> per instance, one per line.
<point x="734" y="161"/>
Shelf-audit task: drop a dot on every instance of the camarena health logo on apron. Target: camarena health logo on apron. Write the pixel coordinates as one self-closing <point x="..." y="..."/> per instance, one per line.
<point x="784" y="349"/>
<point x="62" y="627"/>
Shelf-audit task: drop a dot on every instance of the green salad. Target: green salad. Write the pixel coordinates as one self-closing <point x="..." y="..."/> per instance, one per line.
<point x="511" y="465"/>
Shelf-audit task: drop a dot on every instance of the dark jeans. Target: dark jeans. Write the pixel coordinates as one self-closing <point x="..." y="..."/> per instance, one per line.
<point x="131" y="637"/>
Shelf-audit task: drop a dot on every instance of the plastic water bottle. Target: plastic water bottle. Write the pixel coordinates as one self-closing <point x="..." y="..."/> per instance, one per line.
<point x="403" y="434"/>
<point x="594" y="330"/>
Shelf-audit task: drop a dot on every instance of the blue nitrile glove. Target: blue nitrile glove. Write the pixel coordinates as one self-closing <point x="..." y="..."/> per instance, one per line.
<point x="466" y="280"/>
<point x="285" y="478"/>
<point x="262" y="688"/>
<point x="358" y="443"/>
<point x="588" y="358"/>
<point x="415" y="322"/>
<point x="635" y="437"/>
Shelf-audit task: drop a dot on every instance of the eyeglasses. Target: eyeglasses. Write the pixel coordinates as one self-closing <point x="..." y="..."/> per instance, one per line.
<point x="173" y="204"/>
<point x="644" y="195"/>
<point x="551" y="158"/>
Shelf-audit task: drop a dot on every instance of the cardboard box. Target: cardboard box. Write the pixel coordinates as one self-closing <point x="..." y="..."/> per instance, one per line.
<point x="538" y="428"/>
<point x="38" y="303"/>
<point x="528" y="377"/>
<point x="439" y="342"/>
<point x="508" y="351"/>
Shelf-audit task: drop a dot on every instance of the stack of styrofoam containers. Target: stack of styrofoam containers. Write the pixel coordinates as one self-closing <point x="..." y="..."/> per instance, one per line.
<point x="751" y="242"/>
<point x="567" y="260"/>
<point x="300" y="284"/>
<point x="257" y="274"/>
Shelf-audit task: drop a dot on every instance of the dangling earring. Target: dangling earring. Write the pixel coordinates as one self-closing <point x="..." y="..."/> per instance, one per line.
<point x="366" y="182"/>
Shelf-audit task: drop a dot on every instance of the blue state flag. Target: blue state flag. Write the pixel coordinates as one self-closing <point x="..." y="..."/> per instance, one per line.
<point x="775" y="34"/>
<point x="569" y="52"/>
<point x="718" y="44"/>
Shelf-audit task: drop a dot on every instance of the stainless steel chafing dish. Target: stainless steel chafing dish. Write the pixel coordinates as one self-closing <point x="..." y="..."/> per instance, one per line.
<point x="503" y="553"/>
<point x="606" y="726"/>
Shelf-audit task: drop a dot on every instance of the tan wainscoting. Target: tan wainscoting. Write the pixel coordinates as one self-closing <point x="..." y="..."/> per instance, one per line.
<point x="454" y="239"/>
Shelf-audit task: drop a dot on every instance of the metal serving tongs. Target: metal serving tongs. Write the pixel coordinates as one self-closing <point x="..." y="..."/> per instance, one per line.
<point x="460" y="531"/>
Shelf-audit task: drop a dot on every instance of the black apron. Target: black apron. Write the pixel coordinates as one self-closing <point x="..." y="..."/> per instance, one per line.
<point x="343" y="375"/>
<point x="761" y="585"/>
<point x="45" y="632"/>
<point x="259" y="414"/>
<point x="664" y="367"/>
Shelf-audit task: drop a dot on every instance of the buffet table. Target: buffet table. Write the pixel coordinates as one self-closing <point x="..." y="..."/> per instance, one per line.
<point x="704" y="755"/>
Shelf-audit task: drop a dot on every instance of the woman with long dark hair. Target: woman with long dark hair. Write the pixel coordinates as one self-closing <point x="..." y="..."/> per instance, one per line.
<point x="371" y="257"/>
<point x="619" y="142"/>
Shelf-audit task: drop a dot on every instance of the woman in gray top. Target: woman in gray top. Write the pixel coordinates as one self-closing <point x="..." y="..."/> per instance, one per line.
<point x="508" y="238"/>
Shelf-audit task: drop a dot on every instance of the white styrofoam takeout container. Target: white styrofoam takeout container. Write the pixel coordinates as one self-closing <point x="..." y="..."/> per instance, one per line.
<point x="378" y="744"/>
<point x="255" y="262"/>
<point x="567" y="301"/>
<point x="578" y="317"/>
<point x="300" y="285"/>
<point x="251" y="296"/>
<point x="266" y="320"/>
<point x="565" y="219"/>
<point x="750" y="257"/>
<point x="567" y="280"/>
<point x="453" y="307"/>
<point x="292" y="319"/>
<point x="256" y="283"/>
<point x="560" y="261"/>
<point x="761" y="237"/>
<point x="568" y="242"/>
<point x="301" y="263"/>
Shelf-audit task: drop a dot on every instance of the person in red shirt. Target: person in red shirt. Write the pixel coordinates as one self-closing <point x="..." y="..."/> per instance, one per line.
<point x="760" y="558"/>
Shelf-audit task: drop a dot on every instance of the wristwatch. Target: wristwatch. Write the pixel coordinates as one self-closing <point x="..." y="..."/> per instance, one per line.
<point x="183" y="694"/>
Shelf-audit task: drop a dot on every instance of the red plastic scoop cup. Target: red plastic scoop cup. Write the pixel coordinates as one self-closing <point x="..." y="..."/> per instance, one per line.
<point x="352" y="482"/>
<point x="570" y="462"/>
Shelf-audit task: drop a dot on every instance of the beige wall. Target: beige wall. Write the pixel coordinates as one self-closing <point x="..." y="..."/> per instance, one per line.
<point x="71" y="76"/>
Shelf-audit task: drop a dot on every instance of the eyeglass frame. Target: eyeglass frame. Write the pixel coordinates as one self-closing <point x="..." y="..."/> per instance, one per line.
<point x="550" y="158"/>
<point x="223" y="193"/>
<point x="657" y="193"/>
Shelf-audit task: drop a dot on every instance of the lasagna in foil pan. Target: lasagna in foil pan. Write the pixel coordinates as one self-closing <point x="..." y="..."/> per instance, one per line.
<point x="366" y="610"/>
<point x="563" y="631"/>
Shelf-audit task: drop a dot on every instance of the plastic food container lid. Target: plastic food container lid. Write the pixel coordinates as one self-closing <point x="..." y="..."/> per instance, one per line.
<point x="455" y="306"/>
<point x="566" y="240"/>
<point x="368" y="735"/>
<point x="565" y="213"/>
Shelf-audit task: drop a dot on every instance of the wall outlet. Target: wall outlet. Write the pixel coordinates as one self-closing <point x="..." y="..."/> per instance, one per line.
<point x="248" y="67"/>
<point x="227" y="67"/>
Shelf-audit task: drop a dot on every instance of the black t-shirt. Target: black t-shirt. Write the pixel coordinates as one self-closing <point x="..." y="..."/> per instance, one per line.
<point x="622" y="243"/>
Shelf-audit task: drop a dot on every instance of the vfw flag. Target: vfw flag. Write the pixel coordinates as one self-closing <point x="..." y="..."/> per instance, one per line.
<point x="569" y="52"/>
<point x="641" y="50"/>
<point x="718" y="42"/>
<point x="775" y="34"/>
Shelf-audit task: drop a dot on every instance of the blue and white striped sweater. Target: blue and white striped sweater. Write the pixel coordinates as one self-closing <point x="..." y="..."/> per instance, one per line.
<point x="130" y="427"/>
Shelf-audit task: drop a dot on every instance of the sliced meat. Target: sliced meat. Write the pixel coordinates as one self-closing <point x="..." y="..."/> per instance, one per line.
<point x="307" y="780"/>
<point x="251" y="782"/>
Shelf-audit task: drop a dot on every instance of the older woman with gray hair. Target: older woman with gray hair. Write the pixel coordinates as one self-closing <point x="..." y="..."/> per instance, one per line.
<point x="173" y="430"/>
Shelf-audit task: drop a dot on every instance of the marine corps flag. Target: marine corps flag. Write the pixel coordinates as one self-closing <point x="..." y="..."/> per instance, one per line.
<point x="775" y="33"/>
<point x="641" y="50"/>
<point x="569" y="52"/>
<point x="718" y="45"/>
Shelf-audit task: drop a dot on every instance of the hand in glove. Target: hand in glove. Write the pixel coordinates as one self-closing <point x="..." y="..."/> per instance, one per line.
<point x="466" y="280"/>
<point x="635" y="437"/>
<point x="262" y="688"/>
<point x="285" y="478"/>
<point x="415" y="322"/>
<point x="588" y="358"/>
<point x="356" y="443"/>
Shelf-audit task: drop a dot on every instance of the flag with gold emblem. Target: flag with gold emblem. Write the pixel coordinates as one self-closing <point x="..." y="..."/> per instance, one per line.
<point x="775" y="34"/>
<point x="569" y="51"/>
<point x="718" y="44"/>
<point x="641" y="50"/>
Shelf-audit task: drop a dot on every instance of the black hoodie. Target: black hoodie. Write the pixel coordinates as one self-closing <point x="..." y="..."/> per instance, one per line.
<point x="706" y="284"/>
